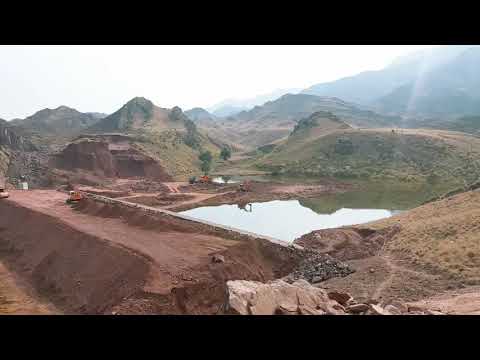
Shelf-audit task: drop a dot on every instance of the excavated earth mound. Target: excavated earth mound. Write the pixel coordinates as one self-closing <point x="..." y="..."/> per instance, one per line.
<point x="103" y="258"/>
<point x="109" y="157"/>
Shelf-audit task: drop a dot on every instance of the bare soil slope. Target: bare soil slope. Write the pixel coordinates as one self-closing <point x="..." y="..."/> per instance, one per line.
<point x="100" y="258"/>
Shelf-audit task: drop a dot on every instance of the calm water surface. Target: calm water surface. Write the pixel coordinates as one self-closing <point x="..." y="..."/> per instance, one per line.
<point x="290" y="219"/>
<point x="284" y="219"/>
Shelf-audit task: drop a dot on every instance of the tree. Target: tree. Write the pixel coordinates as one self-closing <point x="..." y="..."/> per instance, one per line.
<point x="226" y="153"/>
<point x="206" y="159"/>
<point x="205" y="167"/>
<point x="206" y="156"/>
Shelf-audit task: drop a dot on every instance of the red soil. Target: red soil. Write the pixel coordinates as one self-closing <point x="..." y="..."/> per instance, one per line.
<point x="99" y="258"/>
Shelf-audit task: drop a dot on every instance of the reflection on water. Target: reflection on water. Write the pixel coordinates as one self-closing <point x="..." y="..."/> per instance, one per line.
<point x="224" y="180"/>
<point x="285" y="220"/>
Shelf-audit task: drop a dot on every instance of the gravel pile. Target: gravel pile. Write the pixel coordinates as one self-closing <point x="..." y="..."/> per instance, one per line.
<point x="319" y="267"/>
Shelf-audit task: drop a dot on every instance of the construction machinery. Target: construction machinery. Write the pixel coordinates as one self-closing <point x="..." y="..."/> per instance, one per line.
<point x="3" y="193"/>
<point x="205" y="179"/>
<point x="74" y="197"/>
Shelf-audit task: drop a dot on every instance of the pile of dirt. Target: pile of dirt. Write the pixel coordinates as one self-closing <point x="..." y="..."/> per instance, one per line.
<point x="106" y="258"/>
<point x="138" y="186"/>
<point x="160" y="199"/>
<point x="109" y="160"/>
<point x="349" y="242"/>
<point x="104" y="192"/>
<point x="76" y="271"/>
<point x="207" y="187"/>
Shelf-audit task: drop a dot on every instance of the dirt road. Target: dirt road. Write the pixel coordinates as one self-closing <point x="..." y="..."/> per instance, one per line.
<point x="99" y="258"/>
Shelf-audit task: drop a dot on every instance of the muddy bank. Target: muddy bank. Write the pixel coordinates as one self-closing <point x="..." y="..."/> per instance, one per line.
<point x="259" y="192"/>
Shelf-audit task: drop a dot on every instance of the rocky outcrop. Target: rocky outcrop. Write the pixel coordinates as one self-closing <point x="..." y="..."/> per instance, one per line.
<point x="279" y="297"/>
<point x="301" y="298"/>
<point x="10" y="139"/>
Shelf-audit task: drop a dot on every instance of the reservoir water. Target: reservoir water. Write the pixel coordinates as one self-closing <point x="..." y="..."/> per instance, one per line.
<point x="284" y="219"/>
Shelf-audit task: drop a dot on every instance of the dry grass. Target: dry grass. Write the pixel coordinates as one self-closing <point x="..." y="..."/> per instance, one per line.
<point x="443" y="235"/>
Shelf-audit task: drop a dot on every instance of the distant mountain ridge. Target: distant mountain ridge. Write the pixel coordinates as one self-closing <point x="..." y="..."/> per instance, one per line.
<point x="274" y="120"/>
<point x="63" y="121"/>
<point x="450" y="90"/>
<point x="437" y="82"/>
<point x="200" y="116"/>
<point x="231" y="107"/>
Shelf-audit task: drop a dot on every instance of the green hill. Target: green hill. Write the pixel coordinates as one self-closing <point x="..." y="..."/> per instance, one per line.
<point x="274" y="120"/>
<point x="167" y="135"/>
<point x="408" y="155"/>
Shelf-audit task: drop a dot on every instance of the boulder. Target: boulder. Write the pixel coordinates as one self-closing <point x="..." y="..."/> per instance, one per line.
<point x="414" y="308"/>
<point x="279" y="297"/>
<point x="341" y="298"/>
<point x="357" y="308"/>
<point x="287" y="309"/>
<point x="307" y="310"/>
<point x="217" y="258"/>
<point x="434" y="312"/>
<point x="393" y="310"/>
<point x="378" y="310"/>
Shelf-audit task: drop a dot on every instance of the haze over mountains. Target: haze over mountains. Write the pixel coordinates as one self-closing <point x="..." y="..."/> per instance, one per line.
<point x="438" y="82"/>
<point x="231" y="107"/>
<point x="437" y="89"/>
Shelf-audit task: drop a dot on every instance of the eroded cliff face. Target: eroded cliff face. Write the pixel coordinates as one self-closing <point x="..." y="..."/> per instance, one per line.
<point x="109" y="157"/>
<point x="10" y="139"/>
<point x="13" y="147"/>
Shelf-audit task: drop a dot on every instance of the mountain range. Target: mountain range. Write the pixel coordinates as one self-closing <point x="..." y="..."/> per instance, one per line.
<point x="437" y="82"/>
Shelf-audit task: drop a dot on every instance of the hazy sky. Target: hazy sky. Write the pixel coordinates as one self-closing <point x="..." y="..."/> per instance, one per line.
<point x="103" y="78"/>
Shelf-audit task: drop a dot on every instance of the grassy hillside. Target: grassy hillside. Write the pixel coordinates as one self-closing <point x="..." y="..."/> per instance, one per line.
<point x="274" y="120"/>
<point x="431" y="156"/>
<point x="179" y="159"/>
<point x="442" y="235"/>
<point x="165" y="134"/>
<point x="389" y="195"/>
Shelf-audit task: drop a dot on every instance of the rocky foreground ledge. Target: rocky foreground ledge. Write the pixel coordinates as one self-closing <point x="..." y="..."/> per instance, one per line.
<point x="301" y="298"/>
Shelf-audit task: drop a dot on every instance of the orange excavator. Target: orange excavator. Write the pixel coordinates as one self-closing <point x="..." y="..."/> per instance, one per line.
<point x="205" y="179"/>
<point x="74" y="196"/>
